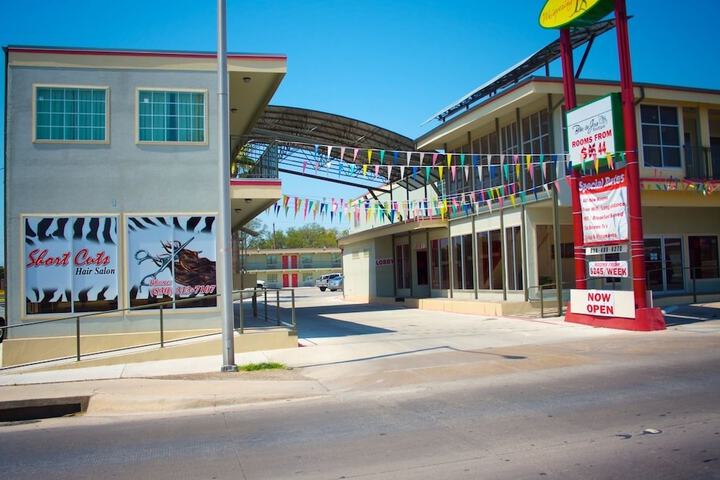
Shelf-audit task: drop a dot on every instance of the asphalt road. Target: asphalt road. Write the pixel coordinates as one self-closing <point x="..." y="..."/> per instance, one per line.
<point x="584" y="420"/>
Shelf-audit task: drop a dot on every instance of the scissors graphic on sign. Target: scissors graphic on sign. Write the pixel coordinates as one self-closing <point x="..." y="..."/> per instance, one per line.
<point x="162" y="261"/>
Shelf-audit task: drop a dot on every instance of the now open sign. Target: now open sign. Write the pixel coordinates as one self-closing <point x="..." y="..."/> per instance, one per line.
<point x="604" y="303"/>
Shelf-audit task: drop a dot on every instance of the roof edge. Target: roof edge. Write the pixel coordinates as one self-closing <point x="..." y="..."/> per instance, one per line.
<point x="140" y="52"/>
<point x="544" y="79"/>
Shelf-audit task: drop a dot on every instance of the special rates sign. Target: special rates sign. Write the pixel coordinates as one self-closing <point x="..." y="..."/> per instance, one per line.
<point x="603" y="201"/>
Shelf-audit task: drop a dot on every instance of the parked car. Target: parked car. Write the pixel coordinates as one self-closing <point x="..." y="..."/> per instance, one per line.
<point x="322" y="282"/>
<point x="335" y="283"/>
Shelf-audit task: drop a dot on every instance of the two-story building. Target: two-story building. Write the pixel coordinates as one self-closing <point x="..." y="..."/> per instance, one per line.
<point x="503" y="250"/>
<point x="290" y="267"/>
<point x="111" y="181"/>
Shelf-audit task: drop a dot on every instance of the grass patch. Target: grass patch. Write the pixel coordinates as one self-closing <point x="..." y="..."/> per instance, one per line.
<point x="254" y="367"/>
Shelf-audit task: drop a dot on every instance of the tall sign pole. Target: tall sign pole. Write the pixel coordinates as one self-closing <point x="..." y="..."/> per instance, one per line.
<point x="594" y="134"/>
<point x="568" y="76"/>
<point x="637" y="243"/>
<point x="224" y="240"/>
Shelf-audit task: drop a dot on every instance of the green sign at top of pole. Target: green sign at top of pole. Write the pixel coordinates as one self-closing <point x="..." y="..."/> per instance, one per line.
<point x="558" y="14"/>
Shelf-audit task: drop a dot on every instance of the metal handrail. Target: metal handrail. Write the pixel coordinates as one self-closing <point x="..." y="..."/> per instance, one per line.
<point x="78" y="354"/>
<point x="547" y="286"/>
<point x="692" y="277"/>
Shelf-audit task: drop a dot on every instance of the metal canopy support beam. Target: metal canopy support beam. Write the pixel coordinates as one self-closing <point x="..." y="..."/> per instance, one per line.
<point x="379" y="206"/>
<point x="584" y="57"/>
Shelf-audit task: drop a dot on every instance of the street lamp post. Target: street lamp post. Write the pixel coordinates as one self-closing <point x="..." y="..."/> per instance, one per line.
<point x="224" y="241"/>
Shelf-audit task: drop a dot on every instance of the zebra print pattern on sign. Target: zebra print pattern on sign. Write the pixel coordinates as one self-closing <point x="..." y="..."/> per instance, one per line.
<point x="71" y="264"/>
<point x="171" y="258"/>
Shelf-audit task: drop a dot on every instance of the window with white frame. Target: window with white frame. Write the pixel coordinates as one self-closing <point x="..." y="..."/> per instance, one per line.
<point x="171" y="116"/>
<point x="536" y="133"/>
<point x="70" y="114"/>
<point x="660" y="136"/>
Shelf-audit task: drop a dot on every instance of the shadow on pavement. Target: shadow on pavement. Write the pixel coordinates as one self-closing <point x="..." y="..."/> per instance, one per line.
<point x="689" y="314"/>
<point x="315" y="321"/>
<point x="421" y="350"/>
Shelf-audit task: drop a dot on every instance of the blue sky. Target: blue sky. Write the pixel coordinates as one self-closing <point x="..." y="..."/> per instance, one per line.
<point x="391" y="63"/>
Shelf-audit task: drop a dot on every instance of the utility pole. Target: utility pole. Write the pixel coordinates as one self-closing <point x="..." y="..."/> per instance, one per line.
<point x="223" y="232"/>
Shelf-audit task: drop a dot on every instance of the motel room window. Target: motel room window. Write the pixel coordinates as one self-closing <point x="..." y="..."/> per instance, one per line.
<point x="535" y="133"/>
<point x="171" y="116"/>
<point x="462" y="262"/>
<point x="704" y="257"/>
<point x="513" y="246"/>
<point x="660" y="136"/>
<point x="68" y="114"/>
<point x="440" y="265"/>
<point x="402" y="266"/>
<point x="489" y="260"/>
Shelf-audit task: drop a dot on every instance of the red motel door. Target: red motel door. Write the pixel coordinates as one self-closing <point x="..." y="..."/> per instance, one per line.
<point x="284" y="262"/>
<point x="286" y="282"/>
<point x="295" y="278"/>
<point x="293" y="261"/>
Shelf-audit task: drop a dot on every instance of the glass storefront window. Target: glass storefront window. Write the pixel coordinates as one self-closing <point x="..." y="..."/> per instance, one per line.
<point x="704" y="256"/>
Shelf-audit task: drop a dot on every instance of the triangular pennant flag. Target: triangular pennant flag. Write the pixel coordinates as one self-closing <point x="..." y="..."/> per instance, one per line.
<point x="328" y="153"/>
<point x="364" y="169"/>
<point x="382" y="156"/>
<point x="440" y="171"/>
<point x="369" y="155"/>
<point x="512" y="199"/>
<point x="407" y="161"/>
<point x="467" y="173"/>
<point x="434" y="158"/>
<point x="355" y="154"/>
<point x="402" y="171"/>
<point x="452" y="171"/>
<point x="389" y="169"/>
<point x="377" y="169"/>
<point x="543" y="175"/>
<point x="422" y="156"/>
<point x="427" y="174"/>
<point x="448" y="156"/>
<point x="414" y="172"/>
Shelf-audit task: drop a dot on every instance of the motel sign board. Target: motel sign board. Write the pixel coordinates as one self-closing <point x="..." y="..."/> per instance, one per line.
<point x="604" y="206"/>
<point x="604" y="303"/>
<point x="595" y="130"/>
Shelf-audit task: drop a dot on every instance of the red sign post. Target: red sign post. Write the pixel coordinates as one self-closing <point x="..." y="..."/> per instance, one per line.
<point x="562" y="15"/>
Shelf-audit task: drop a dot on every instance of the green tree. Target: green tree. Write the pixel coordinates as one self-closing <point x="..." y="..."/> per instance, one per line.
<point x="307" y="236"/>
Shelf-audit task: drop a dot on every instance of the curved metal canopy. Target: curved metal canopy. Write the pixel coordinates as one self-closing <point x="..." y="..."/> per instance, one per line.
<point x="302" y="125"/>
<point x="306" y="128"/>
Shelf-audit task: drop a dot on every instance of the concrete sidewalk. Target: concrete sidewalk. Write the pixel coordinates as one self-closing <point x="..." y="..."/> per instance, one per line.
<point x="402" y="347"/>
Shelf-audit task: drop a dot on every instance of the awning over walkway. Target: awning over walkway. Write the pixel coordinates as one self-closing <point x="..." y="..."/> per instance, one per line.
<point x="393" y="229"/>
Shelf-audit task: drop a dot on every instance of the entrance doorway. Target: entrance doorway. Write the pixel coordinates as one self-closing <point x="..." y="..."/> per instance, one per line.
<point x="664" y="264"/>
<point x="421" y="260"/>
